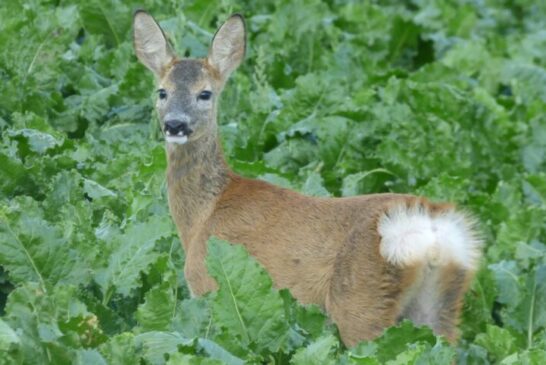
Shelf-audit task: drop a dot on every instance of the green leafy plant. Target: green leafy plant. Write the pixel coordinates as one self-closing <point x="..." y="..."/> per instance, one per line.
<point x="439" y="98"/>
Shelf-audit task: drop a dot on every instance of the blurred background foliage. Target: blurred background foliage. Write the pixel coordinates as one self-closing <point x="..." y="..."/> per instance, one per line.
<point x="440" y="98"/>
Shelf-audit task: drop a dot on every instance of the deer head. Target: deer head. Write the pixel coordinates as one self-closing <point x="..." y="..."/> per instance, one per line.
<point x="188" y="90"/>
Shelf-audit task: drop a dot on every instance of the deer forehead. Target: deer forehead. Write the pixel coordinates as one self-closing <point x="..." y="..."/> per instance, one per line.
<point x="190" y="75"/>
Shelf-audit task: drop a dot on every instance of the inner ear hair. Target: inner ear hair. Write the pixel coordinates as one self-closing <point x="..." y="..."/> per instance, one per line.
<point x="150" y="43"/>
<point x="228" y="46"/>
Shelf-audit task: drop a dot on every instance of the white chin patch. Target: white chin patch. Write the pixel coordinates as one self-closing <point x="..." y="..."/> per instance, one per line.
<point x="176" y="139"/>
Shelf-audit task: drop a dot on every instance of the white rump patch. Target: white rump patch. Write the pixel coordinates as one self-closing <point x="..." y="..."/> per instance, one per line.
<point x="411" y="235"/>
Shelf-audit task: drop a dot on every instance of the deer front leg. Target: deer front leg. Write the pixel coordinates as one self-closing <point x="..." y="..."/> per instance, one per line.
<point x="195" y="271"/>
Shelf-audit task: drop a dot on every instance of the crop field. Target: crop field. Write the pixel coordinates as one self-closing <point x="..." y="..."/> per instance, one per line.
<point x="440" y="98"/>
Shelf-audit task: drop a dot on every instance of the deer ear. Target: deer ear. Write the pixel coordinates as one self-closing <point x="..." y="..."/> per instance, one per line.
<point x="150" y="43"/>
<point x="228" y="46"/>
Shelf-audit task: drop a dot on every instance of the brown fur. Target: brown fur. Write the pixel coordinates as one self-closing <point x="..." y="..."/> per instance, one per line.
<point x="325" y="250"/>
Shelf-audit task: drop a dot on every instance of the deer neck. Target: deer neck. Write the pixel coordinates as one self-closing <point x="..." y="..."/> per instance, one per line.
<point x="197" y="174"/>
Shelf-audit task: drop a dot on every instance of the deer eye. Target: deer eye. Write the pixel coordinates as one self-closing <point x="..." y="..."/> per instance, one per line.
<point x="162" y="94"/>
<point x="204" y="95"/>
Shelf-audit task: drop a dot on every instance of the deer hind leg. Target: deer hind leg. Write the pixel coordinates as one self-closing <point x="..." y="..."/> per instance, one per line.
<point x="442" y="240"/>
<point x="438" y="298"/>
<point x="365" y="292"/>
<point x="455" y="281"/>
<point x="362" y="313"/>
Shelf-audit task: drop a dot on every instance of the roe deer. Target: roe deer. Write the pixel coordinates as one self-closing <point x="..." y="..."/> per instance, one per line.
<point x="369" y="260"/>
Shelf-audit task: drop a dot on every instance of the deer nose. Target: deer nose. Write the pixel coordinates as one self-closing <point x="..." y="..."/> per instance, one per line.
<point x="176" y="127"/>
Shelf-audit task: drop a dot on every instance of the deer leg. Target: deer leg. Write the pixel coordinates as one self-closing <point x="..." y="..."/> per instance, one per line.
<point x="438" y="301"/>
<point x="455" y="281"/>
<point x="195" y="270"/>
<point x="365" y="291"/>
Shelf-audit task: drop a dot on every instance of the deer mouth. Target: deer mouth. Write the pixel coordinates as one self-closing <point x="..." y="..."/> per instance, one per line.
<point x="178" y="138"/>
<point x="178" y="134"/>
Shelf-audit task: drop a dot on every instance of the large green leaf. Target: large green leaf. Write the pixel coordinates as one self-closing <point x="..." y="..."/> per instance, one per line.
<point x="531" y="311"/>
<point x="98" y="18"/>
<point x="132" y="254"/>
<point x="319" y="352"/>
<point x="157" y="312"/>
<point x="51" y="325"/>
<point x="34" y="250"/>
<point x="156" y="344"/>
<point x="38" y="141"/>
<point x="8" y="337"/>
<point x="498" y="341"/>
<point x="193" y="318"/>
<point x="120" y="349"/>
<point x="248" y="310"/>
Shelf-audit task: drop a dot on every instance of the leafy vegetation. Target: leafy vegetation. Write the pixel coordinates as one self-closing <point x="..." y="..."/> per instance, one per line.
<point x="434" y="97"/>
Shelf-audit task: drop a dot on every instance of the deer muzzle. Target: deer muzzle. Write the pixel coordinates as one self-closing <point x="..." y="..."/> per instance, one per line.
<point x="177" y="131"/>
